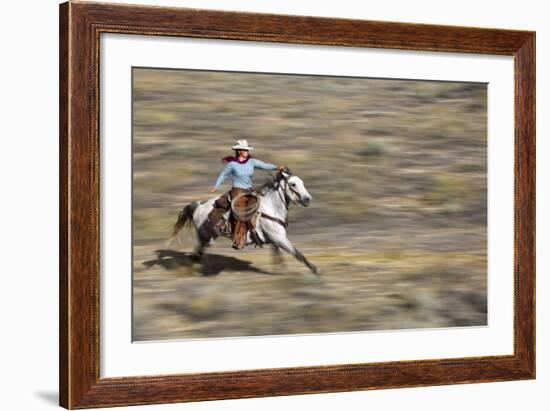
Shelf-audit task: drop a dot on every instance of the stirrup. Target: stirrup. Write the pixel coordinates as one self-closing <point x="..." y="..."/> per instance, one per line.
<point x="256" y="238"/>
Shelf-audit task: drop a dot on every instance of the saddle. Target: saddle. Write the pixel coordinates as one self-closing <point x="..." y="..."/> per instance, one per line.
<point x="236" y="215"/>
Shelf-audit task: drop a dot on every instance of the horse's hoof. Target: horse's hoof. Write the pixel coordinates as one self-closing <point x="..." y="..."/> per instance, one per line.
<point x="317" y="271"/>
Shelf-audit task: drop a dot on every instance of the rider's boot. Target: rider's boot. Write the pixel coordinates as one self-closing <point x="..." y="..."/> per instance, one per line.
<point x="239" y="236"/>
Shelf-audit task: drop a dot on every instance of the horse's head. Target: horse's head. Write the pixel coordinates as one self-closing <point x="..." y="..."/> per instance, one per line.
<point x="294" y="187"/>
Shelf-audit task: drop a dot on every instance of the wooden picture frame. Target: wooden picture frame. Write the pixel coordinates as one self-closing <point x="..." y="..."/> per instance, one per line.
<point x="80" y="27"/>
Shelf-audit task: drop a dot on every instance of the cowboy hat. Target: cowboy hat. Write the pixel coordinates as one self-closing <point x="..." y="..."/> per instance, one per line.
<point x="242" y="145"/>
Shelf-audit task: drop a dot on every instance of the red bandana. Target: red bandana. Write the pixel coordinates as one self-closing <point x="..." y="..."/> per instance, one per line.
<point x="228" y="159"/>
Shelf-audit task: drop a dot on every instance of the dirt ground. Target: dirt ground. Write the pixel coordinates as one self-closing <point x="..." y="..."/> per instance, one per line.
<point x="397" y="170"/>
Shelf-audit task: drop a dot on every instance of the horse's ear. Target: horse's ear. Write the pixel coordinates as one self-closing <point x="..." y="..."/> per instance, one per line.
<point x="284" y="173"/>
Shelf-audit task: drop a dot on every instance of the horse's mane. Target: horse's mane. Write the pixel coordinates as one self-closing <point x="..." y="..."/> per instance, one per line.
<point x="270" y="185"/>
<point x="273" y="183"/>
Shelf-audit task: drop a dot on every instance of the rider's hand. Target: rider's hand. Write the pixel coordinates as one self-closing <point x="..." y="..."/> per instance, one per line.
<point x="212" y="190"/>
<point x="280" y="168"/>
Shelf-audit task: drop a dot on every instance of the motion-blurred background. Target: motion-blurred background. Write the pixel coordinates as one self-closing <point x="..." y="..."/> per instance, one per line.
<point x="397" y="171"/>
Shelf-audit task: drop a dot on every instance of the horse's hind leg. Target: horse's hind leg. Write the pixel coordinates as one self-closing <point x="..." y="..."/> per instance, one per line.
<point x="286" y="245"/>
<point x="206" y="236"/>
<point x="200" y="248"/>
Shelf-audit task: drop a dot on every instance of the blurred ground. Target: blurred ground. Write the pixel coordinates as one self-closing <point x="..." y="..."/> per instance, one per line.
<point x="397" y="170"/>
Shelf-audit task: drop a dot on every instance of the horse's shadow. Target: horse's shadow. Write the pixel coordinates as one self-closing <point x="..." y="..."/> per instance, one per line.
<point x="209" y="264"/>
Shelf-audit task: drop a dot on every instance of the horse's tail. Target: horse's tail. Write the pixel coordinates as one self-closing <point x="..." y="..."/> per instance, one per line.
<point x="185" y="218"/>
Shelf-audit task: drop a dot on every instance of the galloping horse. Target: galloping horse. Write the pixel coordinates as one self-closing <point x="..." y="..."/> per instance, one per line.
<point x="275" y="198"/>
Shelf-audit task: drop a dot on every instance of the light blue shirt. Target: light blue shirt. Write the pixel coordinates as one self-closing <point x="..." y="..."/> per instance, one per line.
<point x="242" y="172"/>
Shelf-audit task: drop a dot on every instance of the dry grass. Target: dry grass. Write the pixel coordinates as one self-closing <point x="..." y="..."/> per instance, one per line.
<point x="397" y="170"/>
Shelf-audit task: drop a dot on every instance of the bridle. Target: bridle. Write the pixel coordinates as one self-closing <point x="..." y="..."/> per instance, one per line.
<point x="286" y="199"/>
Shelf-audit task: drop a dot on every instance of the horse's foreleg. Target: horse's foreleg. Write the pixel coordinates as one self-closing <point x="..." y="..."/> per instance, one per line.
<point x="277" y="256"/>
<point x="300" y="257"/>
<point x="286" y="245"/>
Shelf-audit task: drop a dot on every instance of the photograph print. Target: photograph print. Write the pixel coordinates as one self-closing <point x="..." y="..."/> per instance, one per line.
<point x="270" y="204"/>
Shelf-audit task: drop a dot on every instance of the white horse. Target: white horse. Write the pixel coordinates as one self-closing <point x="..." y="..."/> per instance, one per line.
<point x="275" y="198"/>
